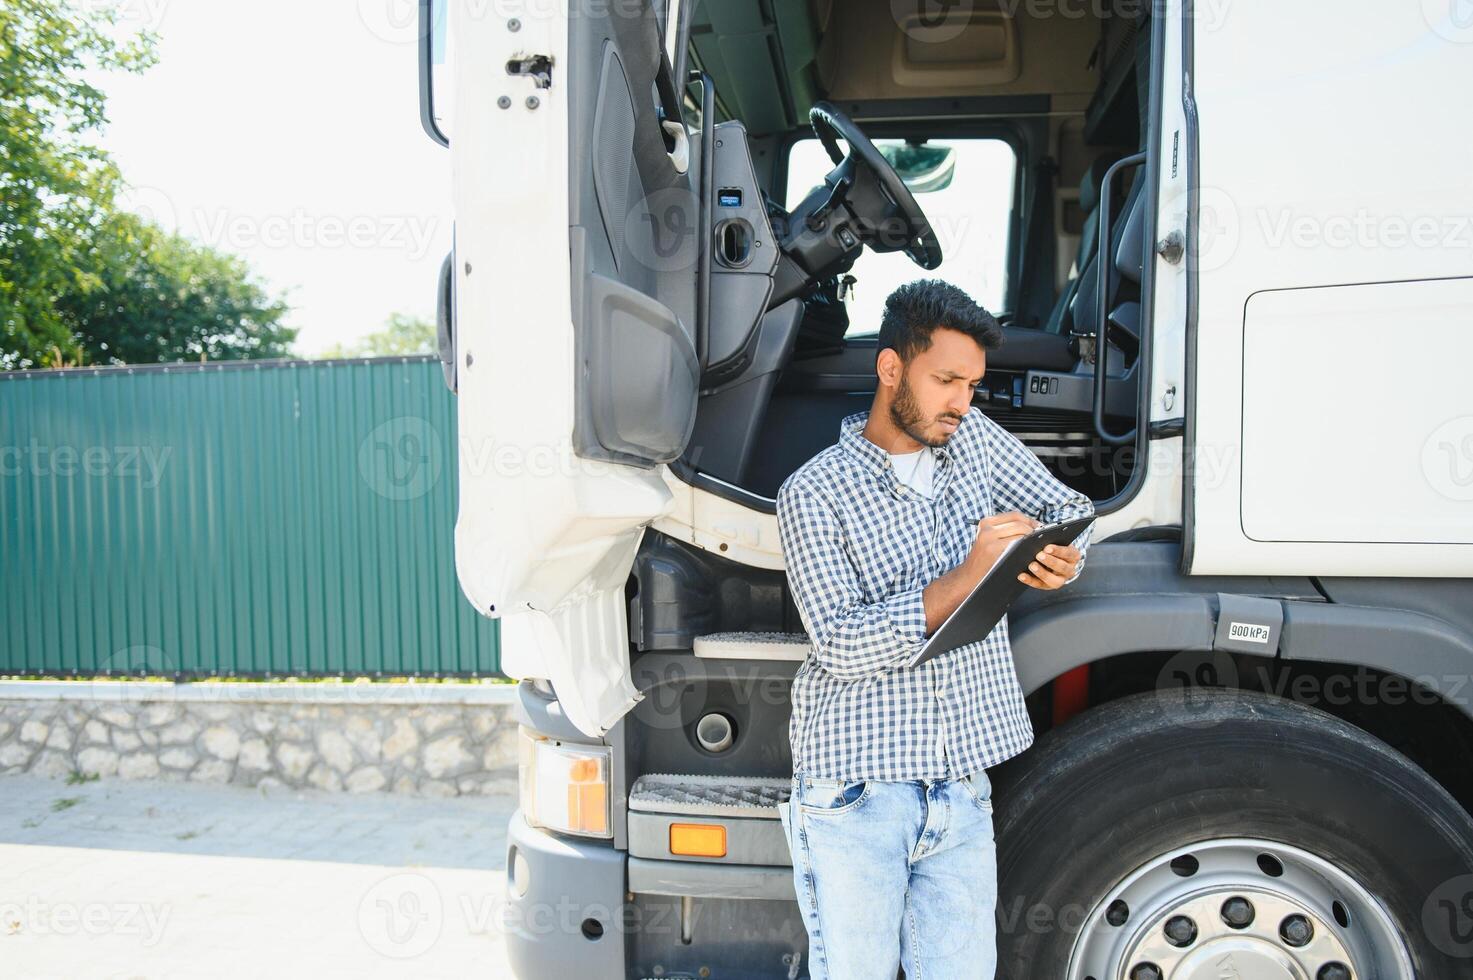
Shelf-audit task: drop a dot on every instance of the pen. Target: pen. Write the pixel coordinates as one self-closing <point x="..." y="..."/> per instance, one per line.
<point x="1037" y="515"/>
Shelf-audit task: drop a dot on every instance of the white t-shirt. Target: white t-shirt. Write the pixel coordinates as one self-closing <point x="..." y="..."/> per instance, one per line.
<point x="916" y="470"/>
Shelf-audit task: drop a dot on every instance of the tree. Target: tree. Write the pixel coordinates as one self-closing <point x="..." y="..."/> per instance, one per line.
<point x="79" y="280"/>
<point x="402" y="335"/>
<point x="161" y="297"/>
<point x="54" y="185"/>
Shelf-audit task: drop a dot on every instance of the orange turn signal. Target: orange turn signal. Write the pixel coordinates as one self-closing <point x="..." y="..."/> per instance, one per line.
<point x="698" y="839"/>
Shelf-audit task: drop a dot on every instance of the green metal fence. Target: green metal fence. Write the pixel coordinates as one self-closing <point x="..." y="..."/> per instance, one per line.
<point x="244" y="519"/>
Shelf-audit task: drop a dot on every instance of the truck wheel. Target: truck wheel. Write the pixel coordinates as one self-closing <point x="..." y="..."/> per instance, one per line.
<point x="1230" y="835"/>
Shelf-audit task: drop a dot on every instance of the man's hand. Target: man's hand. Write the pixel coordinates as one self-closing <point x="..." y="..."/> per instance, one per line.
<point x="944" y="594"/>
<point x="993" y="536"/>
<point x="1053" y="567"/>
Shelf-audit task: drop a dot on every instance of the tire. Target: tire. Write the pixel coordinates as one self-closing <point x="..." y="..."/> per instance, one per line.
<point x="1138" y="778"/>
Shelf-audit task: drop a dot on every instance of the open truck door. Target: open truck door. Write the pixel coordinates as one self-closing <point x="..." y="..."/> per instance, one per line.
<point x="574" y="290"/>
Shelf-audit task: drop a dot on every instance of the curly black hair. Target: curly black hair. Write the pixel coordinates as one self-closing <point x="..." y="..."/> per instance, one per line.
<point x="917" y="308"/>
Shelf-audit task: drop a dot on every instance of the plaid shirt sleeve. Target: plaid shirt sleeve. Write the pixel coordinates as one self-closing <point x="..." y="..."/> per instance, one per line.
<point x="852" y="639"/>
<point x="1020" y="482"/>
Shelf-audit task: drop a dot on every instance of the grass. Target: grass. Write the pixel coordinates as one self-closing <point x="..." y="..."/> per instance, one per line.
<point x="64" y="803"/>
<point x="78" y="776"/>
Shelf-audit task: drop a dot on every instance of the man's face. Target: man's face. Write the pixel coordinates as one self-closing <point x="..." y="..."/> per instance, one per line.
<point x="934" y="391"/>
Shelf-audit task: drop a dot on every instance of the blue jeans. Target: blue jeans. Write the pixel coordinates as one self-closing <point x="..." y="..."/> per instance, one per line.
<point x="891" y="873"/>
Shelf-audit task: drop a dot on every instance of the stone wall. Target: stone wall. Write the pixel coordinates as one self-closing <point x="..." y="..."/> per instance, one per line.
<point x="432" y="743"/>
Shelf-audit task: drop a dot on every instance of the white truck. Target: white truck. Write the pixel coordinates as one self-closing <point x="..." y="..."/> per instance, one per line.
<point x="1230" y="243"/>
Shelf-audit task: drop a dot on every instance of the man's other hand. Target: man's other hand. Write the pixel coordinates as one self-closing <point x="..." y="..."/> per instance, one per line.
<point x="1052" y="567"/>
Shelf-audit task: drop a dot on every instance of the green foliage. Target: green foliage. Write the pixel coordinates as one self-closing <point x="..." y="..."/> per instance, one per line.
<point x="161" y="297"/>
<point x="402" y="334"/>
<point x="54" y="184"/>
<point x="80" y="281"/>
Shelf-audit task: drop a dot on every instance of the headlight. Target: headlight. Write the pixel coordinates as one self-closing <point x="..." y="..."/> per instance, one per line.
<point x="564" y="787"/>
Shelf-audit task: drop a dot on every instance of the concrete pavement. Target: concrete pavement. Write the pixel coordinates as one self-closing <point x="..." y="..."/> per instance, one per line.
<point x="163" y="880"/>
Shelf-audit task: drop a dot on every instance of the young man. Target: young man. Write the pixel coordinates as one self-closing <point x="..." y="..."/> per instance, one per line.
<point x="884" y="534"/>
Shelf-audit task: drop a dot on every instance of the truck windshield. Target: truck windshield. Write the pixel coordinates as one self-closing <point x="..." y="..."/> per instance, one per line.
<point x="967" y="194"/>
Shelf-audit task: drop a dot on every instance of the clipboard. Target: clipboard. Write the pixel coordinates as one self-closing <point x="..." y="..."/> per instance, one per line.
<point x="990" y="598"/>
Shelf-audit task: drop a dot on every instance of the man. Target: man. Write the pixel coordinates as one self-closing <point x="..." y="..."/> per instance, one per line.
<point x="885" y="533"/>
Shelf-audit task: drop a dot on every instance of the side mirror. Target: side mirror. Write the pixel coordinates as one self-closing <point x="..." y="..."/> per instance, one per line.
<point x="922" y="168"/>
<point x="434" y="70"/>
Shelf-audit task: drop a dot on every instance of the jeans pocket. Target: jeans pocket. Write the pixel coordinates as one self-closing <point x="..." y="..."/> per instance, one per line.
<point x="980" y="788"/>
<point x="832" y="795"/>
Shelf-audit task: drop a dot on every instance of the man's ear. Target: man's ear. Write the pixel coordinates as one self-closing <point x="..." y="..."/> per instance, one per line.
<point x="889" y="367"/>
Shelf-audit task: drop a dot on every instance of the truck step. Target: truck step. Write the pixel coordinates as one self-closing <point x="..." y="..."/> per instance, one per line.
<point x="753" y="646"/>
<point x="710" y="796"/>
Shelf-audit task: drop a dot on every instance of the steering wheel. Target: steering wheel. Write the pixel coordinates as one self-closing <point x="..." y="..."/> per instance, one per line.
<point x="903" y="221"/>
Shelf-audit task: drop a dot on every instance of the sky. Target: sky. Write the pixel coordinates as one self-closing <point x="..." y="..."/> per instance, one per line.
<point x="288" y="133"/>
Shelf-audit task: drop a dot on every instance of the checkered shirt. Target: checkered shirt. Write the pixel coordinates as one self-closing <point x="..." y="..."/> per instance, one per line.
<point x="860" y="546"/>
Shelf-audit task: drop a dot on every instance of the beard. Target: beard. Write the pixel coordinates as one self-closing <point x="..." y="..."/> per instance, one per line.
<point x="906" y="414"/>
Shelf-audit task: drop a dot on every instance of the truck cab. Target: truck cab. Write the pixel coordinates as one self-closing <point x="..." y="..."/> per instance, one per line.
<point x="1229" y="247"/>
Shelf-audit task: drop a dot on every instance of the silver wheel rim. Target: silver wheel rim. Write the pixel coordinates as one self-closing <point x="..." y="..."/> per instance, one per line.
<point x="1182" y="916"/>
